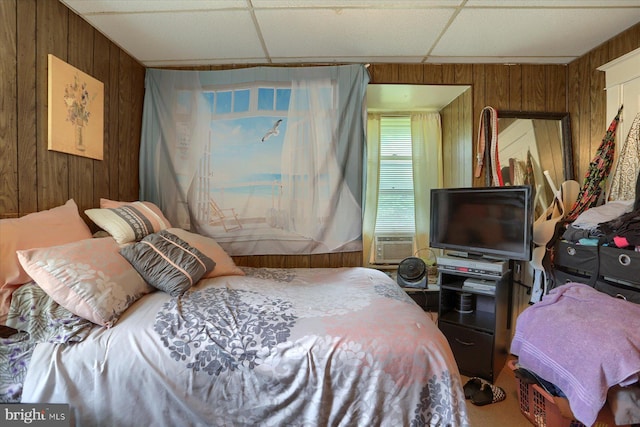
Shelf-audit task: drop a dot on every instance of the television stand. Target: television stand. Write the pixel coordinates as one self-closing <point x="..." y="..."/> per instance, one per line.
<point x="474" y="313"/>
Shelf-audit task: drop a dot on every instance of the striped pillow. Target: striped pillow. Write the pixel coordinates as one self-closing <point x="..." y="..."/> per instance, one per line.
<point x="129" y="222"/>
<point x="167" y="262"/>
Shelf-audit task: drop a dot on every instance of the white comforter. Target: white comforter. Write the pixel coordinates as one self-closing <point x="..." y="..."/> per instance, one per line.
<point x="278" y="347"/>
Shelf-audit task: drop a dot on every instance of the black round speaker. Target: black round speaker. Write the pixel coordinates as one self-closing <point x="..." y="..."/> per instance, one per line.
<point x="412" y="273"/>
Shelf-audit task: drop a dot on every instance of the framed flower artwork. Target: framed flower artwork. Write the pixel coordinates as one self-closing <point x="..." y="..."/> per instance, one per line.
<point x="76" y="111"/>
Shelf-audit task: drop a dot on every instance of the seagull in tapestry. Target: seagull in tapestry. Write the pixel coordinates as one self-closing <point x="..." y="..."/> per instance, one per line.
<point x="273" y="131"/>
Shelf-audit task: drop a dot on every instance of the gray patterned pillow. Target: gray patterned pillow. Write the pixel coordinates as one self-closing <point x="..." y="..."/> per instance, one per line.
<point x="167" y="262"/>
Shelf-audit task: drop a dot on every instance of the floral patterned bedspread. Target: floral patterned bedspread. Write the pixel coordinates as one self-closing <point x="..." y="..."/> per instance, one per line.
<point x="15" y="353"/>
<point x="278" y="347"/>
<point x="38" y="318"/>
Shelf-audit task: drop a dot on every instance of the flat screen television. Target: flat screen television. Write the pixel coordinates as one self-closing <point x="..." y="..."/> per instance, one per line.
<point x="490" y="222"/>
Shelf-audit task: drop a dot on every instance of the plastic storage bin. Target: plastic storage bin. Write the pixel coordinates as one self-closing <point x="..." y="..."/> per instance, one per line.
<point x="541" y="409"/>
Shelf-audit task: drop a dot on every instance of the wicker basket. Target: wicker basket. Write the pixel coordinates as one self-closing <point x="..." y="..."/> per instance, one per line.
<point x="542" y="410"/>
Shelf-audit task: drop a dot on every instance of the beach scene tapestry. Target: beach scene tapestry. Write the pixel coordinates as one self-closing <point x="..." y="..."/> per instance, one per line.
<point x="265" y="160"/>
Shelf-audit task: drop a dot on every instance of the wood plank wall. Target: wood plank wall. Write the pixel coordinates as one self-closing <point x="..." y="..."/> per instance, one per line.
<point x="587" y="97"/>
<point x="457" y="137"/>
<point x="32" y="177"/>
<point x="504" y="87"/>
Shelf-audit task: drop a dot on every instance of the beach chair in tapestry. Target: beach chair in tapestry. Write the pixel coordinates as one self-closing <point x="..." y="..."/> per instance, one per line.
<point x="227" y="217"/>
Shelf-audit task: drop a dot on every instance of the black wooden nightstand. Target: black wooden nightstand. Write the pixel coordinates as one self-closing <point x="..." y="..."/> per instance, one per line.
<point x="473" y="316"/>
<point x="427" y="298"/>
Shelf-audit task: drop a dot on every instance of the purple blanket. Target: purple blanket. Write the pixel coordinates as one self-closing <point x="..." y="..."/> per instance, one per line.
<point x="583" y="341"/>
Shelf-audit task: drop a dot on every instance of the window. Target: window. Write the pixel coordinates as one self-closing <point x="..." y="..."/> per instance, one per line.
<point x="395" y="213"/>
<point x="273" y="99"/>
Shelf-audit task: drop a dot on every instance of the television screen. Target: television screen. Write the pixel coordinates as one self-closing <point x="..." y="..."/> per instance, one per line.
<point x="494" y="222"/>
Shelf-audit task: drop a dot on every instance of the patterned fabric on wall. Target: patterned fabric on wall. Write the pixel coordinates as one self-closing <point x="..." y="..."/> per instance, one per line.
<point x="598" y="172"/>
<point x="265" y="160"/>
<point x="623" y="184"/>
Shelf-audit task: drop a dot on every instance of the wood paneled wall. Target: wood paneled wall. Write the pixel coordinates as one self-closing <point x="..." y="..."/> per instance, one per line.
<point x="504" y="87"/>
<point x="588" y="100"/>
<point x="457" y="134"/>
<point x="32" y="177"/>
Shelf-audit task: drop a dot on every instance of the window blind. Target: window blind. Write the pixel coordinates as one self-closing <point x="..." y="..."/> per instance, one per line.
<point x="395" y="213"/>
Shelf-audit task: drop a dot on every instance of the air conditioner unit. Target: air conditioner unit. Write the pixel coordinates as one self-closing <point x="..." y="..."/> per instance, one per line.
<point x="392" y="248"/>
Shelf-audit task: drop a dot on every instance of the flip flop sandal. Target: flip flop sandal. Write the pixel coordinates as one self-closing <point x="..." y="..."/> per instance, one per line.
<point x="472" y="387"/>
<point x="487" y="394"/>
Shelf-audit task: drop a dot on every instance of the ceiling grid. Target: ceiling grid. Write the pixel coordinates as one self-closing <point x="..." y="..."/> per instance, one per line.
<point x="214" y="32"/>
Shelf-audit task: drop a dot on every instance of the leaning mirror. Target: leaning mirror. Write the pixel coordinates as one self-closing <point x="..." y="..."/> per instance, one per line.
<point x="537" y="144"/>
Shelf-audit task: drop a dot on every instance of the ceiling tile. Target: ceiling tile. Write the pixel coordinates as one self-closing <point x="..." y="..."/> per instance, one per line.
<point x="356" y="3"/>
<point x="347" y="59"/>
<point x="119" y="6"/>
<point x="326" y="33"/>
<point x="499" y="59"/>
<point x="536" y="32"/>
<point x="186" y="36"/>
<point x="552" y="3"/>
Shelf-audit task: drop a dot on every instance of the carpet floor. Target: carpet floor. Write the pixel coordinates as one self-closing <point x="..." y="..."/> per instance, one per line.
<point x="500" y="414"/>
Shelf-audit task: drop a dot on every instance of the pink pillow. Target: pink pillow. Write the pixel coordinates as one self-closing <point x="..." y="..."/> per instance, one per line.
<point x="52" y="227"/>
<point x="224" y="263"/>
<point x="128" y="222"/>
<point x="106" y="204"/>
<point x="89" y="278"/>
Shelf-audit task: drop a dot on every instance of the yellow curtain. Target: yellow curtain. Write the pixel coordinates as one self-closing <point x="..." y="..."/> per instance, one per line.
<point x="371" y="186"/>
<point x="426" y="141"/>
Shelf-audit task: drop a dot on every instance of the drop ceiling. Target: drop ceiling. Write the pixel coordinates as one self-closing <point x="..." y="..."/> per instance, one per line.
<point x="161" y="33"/>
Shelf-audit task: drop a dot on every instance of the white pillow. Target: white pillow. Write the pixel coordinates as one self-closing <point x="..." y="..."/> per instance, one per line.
<point x="130" y="222"/>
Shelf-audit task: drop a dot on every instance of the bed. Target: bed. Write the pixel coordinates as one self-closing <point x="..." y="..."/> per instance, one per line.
<point x="244" y="346"/>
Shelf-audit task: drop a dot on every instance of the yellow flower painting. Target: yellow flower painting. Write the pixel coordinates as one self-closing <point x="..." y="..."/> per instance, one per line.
<point x="76" y="111"/>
